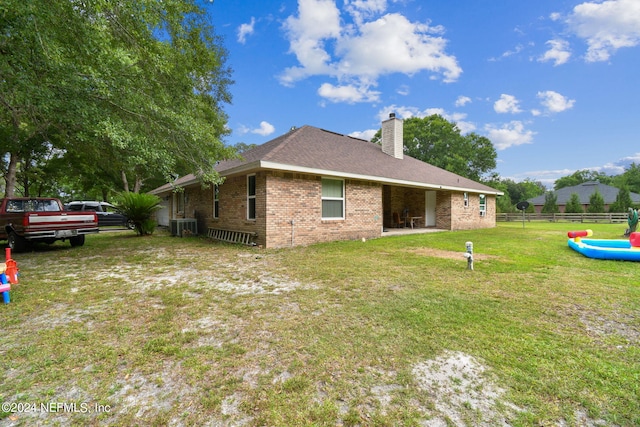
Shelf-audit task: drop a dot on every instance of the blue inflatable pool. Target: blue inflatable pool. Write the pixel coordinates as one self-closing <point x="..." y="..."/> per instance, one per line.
<point x="605" y="249"/>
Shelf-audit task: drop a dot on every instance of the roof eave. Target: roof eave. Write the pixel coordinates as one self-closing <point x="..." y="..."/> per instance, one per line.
<point x="348" y="175"/>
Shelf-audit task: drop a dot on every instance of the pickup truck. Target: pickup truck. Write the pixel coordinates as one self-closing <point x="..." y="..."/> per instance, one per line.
<point x="25" y="220"/>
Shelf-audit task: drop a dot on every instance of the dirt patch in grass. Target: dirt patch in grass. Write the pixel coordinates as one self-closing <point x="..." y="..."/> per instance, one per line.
<point x="441" y="253"/>
<point x="463" y="392"/>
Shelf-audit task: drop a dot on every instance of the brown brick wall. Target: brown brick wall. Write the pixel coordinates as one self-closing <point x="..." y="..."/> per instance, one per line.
<point x="469" y="218"/>
<point x="297" y="198"/>
<point x="232" y="207"/>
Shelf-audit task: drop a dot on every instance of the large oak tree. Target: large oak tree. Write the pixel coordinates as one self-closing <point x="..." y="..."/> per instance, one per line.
<point x="128" y="88"/>
<point x="437" y="141"/>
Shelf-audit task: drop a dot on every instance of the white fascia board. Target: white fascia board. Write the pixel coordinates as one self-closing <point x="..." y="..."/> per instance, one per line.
<point x="382" y="180"/>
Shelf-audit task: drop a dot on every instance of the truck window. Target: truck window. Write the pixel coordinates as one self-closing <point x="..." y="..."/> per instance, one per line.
<point x="41" y="206"/>
<point x="50" y="206"/>
<point x="15" y="206"/>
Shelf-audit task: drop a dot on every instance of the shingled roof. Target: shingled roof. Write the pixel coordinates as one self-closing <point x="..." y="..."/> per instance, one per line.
<point x="584" y="192"/>
<point x="317" y="151"/>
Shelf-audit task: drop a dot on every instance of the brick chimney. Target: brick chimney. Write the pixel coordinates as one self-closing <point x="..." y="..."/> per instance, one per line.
<point x="392" y="137"/>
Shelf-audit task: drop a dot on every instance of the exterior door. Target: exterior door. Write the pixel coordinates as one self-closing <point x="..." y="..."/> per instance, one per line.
<point x="430" y="209"/>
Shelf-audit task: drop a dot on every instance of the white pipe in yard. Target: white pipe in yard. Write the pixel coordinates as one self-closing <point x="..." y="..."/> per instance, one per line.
<point x="469" y="255"/>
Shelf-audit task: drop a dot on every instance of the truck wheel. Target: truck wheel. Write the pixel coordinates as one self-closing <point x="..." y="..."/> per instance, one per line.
<point x="16" y="243"/>
<point x="77" y="241"/>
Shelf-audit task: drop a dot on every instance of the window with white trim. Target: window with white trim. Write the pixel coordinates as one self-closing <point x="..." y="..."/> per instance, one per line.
<point x="251" y="197"/>
<point x="465" y="196"/>
<point x="483" y="205"/>
<point x="216" y="201"/>
<point x="180" y="201"/>
<point x="332" y="198"/>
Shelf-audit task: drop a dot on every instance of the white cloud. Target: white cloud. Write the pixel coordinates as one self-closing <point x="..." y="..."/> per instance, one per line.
<point x="405" y="112"/>
<point x="555" y="16"/>
<point x="554" y="102"/>
<point x="347" y="93"/>
<point x="619" y="166"/>
<point x="362" y="9"/>
<point x="365" y="134"/>
<point x="507" y="104"/>
<point x="357" y="53"/>
<point x="606" y="26"/>
<point x="515" y="51"/>
<point x="462" y="101"/>
<point x="394" y="44"/>
<point x="401" y="112"/>
<point x="265" y="129"/>
<point x="404" y="90"/>
<point x="558" y="52"/>
<point x="509" y="135"/>
<point x="245" y="30"/>
<point x="317" y="20"/>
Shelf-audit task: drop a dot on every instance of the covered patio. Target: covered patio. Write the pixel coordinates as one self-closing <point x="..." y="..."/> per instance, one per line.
<point x="388" y="232"/>
<point x="412" y="207"/>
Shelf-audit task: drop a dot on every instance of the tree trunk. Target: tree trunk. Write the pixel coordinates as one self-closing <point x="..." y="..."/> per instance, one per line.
<point x="10" y="178"/>
<point x="138" y="185"/>
<point x="125" y="183"/>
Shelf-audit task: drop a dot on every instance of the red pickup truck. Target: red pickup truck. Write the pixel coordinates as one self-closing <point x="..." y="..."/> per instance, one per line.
<point x="24" y="220"/>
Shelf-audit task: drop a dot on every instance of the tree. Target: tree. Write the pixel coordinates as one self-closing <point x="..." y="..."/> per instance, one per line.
<point x="134" y="85"/>
<point x="580" y="176"/>
<point x="514" y="192"/>
<point x="623" y="201"/>
<point x="596" y="203"/>
<point x="630" y="178"/>
<point x="242" y="147"/>
<point x="437" y="141"/>
<point x="574" y="205"/>
<point x="550" y="203"/>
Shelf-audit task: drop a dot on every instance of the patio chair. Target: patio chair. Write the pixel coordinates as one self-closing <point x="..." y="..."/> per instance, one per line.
<point x="397" y="222"/>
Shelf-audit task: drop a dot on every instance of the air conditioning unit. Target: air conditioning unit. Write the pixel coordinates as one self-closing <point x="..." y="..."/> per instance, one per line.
<point x="183" y="226"/>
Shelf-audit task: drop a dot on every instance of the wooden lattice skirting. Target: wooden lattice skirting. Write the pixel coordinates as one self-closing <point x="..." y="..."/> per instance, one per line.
<point x="231" y="236"/>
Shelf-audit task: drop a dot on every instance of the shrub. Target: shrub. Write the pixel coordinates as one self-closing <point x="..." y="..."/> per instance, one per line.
<point x="139" y="208"/>
<point x="574" y="205"/>
<point x="596" y="203"/>
<point x="550" y="203"/>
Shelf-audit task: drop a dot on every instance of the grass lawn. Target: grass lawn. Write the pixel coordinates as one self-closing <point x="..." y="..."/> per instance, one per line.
<point x="158" y="330"/>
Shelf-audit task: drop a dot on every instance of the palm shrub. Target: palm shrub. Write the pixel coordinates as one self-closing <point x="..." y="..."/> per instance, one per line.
<point x="139" y="208"/>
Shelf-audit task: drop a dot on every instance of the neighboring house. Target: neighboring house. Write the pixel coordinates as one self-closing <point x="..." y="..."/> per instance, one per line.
<point x="584" y="192"/>
<point x="311" y="185"/>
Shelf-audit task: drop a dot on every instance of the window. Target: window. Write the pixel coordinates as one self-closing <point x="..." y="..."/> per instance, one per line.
<point x="466" y="199"/>
<point x="332" y="198"/>
<point x="251" y="197"/>
<point x="483" y="205"/>
<point x="180" y="202"/>
<point x="216" y="201"/>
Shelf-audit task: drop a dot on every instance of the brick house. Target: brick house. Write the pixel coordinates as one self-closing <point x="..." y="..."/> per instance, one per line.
<point x="311" y="185"/>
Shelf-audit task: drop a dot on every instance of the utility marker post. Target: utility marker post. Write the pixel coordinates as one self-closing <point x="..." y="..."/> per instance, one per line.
<point x="469" y="255"/>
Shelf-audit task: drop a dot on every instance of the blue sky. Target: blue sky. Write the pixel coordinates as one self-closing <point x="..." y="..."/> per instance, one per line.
<point x="554" y="84"/>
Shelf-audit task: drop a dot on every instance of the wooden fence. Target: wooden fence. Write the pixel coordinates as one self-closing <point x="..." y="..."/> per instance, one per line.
<point x="564" y="217"/>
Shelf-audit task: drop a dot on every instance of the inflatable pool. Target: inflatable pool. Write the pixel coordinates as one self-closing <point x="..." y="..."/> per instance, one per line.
<point x="616" y="249"/>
